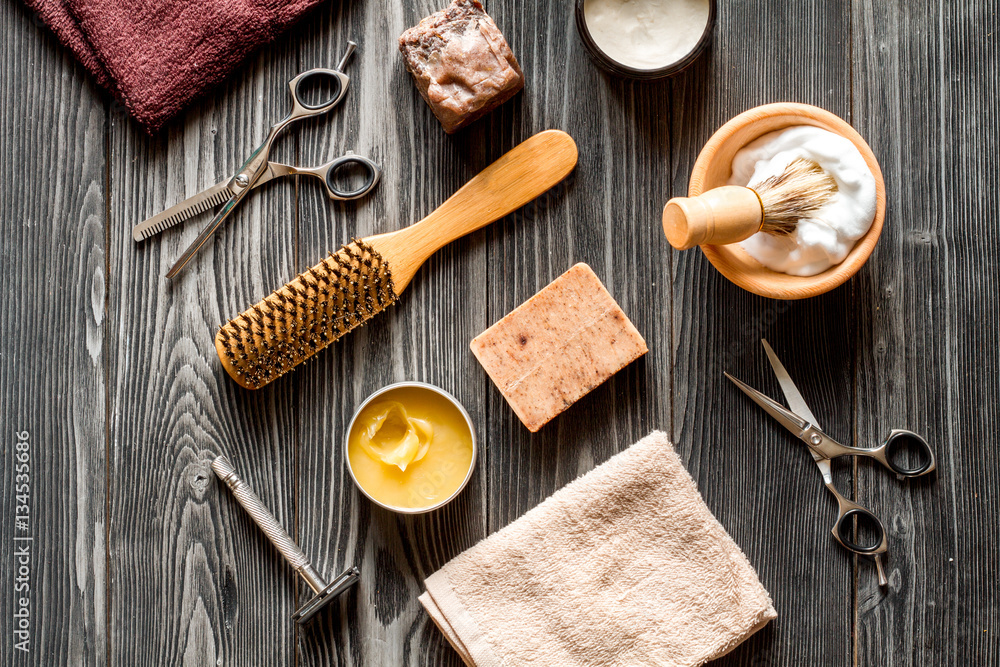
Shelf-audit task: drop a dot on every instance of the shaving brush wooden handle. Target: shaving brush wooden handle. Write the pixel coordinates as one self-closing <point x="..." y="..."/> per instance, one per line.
<point x="724" y="215"/>
<point x="733" y="213"/>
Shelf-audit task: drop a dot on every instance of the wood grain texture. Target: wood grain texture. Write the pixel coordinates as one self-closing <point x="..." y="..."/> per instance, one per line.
<point x="926" y="340"/>
<point x="424" y="337"/>
<point x="53" y="351"/>
<point x="194" y="581"/>
<point x="761" y="484"/>
<point x="604" y="215"/>
<point x="142" y="558"/>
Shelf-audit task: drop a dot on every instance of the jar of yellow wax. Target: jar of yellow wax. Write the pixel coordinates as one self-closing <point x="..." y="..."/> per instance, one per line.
<point x="411" y="447"/>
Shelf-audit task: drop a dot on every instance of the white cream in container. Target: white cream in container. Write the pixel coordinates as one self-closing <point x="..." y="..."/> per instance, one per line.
<point x="647" y="34"/>
<point x="824" y="239"/>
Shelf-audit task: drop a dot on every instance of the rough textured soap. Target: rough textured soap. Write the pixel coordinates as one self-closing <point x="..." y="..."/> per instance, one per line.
<point x="557" y="346"/>
<point x="461" y="63"/>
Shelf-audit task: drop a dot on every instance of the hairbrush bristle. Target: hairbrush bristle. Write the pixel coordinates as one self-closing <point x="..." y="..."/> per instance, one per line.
<point x="796" y="193"/>
<point x="293" y="323"/>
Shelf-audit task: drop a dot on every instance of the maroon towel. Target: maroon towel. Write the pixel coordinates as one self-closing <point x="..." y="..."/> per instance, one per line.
<point x="158" y="55"/>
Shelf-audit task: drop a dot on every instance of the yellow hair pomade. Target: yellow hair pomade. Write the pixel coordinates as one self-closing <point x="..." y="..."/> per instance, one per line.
<point x="411" y="447"/>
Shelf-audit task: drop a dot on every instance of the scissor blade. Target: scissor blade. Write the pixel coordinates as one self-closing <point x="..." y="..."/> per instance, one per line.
<point x="192" y="206"/>
<point x="792" y="395"/>
<point x="220" y="216"/>
<point x="785" y="417"/>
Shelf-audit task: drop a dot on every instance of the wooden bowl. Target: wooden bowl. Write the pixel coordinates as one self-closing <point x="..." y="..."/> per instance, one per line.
<point x="714" y="168"/>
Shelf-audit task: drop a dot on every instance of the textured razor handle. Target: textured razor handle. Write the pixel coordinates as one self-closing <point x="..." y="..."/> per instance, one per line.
<point x="260" y="514"/>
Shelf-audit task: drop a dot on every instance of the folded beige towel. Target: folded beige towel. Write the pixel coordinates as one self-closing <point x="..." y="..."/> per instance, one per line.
<point x="624" y="566"/>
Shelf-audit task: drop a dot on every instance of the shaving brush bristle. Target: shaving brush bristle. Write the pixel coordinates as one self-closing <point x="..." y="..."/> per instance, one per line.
<point x="320" y="305"/>
<point x="796" y="193"/>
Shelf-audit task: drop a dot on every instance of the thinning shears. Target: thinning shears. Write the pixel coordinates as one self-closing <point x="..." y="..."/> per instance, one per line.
<point x="257" y="170"/>
<point x="898" y="445"/>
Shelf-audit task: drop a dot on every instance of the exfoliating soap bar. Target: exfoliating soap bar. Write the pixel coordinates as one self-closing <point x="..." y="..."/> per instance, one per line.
<point x="461" y="63"/>
<point x="558" y="346"/>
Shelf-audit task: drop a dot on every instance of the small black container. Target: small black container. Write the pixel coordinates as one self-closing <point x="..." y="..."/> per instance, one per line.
<point x="609" y="64"/>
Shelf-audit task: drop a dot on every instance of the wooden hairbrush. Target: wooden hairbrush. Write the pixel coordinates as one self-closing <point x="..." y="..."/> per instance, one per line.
<point x="366" y="276"/>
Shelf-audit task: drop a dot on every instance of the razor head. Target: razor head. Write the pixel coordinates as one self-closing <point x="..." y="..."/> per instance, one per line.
<point x="333" y="590"/>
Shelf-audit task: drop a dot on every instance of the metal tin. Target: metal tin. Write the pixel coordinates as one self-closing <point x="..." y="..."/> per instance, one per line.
<point x="609" y="64"/>
<point x="454" y="401"/>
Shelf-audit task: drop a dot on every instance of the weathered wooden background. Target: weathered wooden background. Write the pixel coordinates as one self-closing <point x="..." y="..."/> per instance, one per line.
<point x="141" y="558"/>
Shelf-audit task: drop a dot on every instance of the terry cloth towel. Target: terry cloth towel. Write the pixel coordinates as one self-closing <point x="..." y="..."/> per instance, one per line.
<point x="157" y="56"/>
<point x="626" y="566"/>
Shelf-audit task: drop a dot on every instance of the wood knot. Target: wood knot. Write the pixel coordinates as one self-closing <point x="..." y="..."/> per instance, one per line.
<point x="197" y="475"/>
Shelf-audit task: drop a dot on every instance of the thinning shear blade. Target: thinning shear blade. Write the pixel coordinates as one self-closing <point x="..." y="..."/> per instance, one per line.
<point x="214" y="196"/>
<point x="256" y="164"/>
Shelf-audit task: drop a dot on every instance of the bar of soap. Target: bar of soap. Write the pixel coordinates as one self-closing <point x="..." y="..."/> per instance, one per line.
<point x="558" y="346"/>
<point x="461" y="63"/>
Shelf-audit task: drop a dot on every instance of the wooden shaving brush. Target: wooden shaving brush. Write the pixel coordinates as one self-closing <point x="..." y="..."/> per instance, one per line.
<point x="733" y="213"/>
<point x="364" y="277"/>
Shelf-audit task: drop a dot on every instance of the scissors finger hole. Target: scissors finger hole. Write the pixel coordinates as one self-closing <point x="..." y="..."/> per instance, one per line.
<point x="907" y="453"/>
<point x="861" y="531"/>
<point x="318" y="89"/>
<point x="351" y="177"/>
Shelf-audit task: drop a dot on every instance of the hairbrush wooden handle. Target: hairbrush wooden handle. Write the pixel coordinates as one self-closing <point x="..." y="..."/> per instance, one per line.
<point x="364" y="277"/>
<point x="718" y="217"/>
<point x="520" y="175"/>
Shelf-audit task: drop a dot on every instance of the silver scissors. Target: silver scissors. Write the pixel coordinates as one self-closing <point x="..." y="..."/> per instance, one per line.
<point x="257" y="170"/>
<point x="801" y="422"/>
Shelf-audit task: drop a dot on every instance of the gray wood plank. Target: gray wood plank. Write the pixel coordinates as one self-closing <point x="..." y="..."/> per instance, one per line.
<point x="580" y="221"/>
<point x="121" y="440"/>
<point x="424" y="337"/>
<point x="604" y="215"/>
<point x="925" y="85"/>
<point x="52" y="353"/>
<point x="759" y="482"/>
<point x="193" y="580"/>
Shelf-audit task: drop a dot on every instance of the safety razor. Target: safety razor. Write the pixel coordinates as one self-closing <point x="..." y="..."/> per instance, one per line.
<point x="324" y="592"/>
